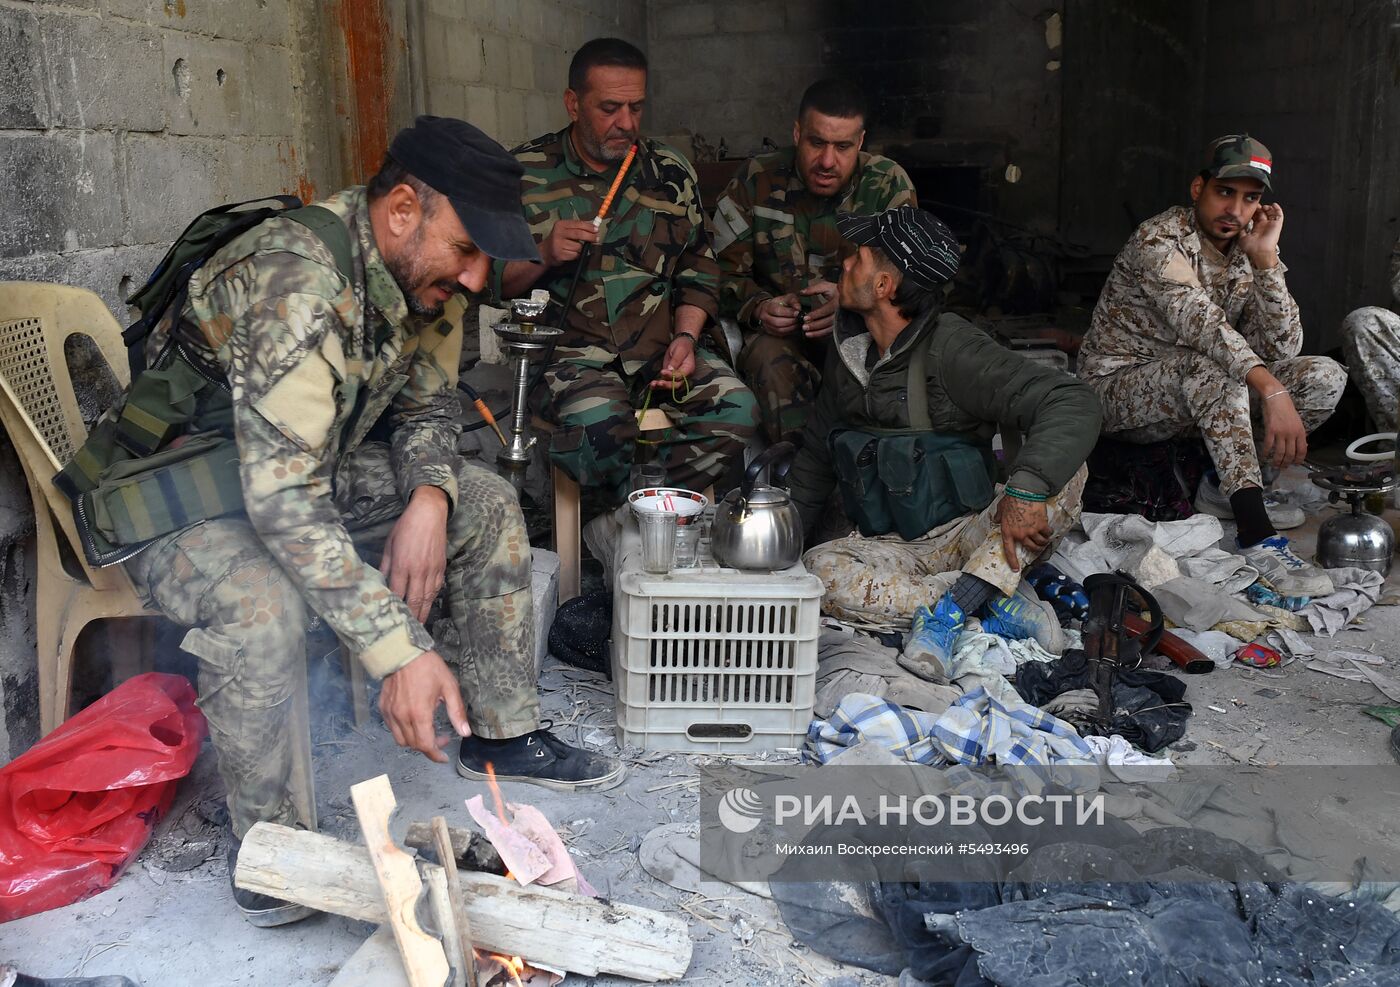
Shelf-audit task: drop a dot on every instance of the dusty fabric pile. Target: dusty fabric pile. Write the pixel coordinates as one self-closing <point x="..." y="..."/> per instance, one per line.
<point x="1170" y="907"/>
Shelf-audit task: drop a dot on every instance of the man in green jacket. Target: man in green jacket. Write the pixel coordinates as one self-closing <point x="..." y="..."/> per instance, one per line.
<point x="936" y="541"/>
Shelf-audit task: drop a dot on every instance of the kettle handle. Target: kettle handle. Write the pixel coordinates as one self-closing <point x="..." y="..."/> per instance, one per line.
<point x="779" y="452"/>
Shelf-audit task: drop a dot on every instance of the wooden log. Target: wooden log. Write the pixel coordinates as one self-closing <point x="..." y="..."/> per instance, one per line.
<point x="441" y="902"/>
<point x="587" y="936"/>
<point x="442" y="839"/>
<point x="397" y="876"/>
<point x="375" y="964"/>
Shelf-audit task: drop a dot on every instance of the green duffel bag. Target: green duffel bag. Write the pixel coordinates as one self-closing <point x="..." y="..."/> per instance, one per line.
<point x="909" y="482"/>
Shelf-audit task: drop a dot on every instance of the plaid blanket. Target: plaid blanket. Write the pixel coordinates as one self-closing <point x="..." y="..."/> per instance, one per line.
<point x="975" y="730"/>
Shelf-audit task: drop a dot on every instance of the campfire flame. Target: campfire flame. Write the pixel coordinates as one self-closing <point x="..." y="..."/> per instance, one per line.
<point x="496" y="794"/>
<point x="512" y="965"/>
<point x="500" y="804"/>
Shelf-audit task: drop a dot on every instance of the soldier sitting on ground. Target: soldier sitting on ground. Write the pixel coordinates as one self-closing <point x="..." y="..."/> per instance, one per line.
<point x="1371" y="341"/>
<point x="780" y="253"/>
<point x="1195" y="333"/>
<point x="312" y="359"/>
<point x="903" y="426"/>
<point x="649" y="287"/>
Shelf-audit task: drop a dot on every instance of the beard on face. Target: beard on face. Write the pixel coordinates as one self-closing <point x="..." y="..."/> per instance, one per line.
<point x="596" y="147"/>
<point x="410" y="273"/>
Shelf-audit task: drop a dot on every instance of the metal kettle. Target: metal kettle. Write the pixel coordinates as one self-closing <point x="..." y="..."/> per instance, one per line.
<point x="757" y="526"/>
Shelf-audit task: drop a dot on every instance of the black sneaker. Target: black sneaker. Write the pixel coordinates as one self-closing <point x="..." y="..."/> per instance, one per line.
<point x="538" y="758"/>
<point x="262" y="910"/>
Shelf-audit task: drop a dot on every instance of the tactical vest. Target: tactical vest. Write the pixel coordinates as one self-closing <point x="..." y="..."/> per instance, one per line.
<point x="165" y="457"/>
<point x="911" y="480"/>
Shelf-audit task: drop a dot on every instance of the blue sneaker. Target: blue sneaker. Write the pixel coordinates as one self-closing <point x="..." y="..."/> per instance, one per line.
<point x="1019" y="617"/>
<point x="934" y="636"/>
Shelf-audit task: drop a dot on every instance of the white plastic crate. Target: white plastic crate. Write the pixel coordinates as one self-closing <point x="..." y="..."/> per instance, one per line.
<point x="715" y="660"/>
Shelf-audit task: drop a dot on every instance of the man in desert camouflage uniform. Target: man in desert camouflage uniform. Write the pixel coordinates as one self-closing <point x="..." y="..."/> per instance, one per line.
<point x="780" y="253"/>
<point x="633" y="337"/>
<point x="314" y="362"/>
<point x="1371" y="341"/>
<point x="1195" y="332"/>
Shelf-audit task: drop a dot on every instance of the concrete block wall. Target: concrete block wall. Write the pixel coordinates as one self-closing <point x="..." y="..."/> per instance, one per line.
<point x="966" y="83"/>
<point x="120" y="120"/>
<point x="503" y="64"/>
<point x="732" y="70"/>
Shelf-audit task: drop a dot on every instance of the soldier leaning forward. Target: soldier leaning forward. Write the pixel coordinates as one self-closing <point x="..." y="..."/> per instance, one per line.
<point x="780" y="252"/>
<point x="302" y="361"/>
<point x="903" y="425"/>
<point x="633" y="336"/>
<point x="1195" y="333"/>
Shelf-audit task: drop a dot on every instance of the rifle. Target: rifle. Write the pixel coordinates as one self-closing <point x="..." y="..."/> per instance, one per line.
<point x="1108" y="643"/>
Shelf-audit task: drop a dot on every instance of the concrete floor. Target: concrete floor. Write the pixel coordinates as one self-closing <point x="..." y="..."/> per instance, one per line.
<point x="169" y="927"/>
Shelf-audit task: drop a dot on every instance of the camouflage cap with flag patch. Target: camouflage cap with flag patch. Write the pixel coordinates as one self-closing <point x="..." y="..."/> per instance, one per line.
<point x="1239" y="156"/>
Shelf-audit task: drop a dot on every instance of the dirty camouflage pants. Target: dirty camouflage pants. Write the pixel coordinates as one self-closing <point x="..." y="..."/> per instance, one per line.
<point x="248" y="623"/>
<point x="594" y="405"/>
<point x="1190" y="394"/>
<point x="878" y="583"/>
<point x="1371" y="342"/>
<point x="784" y="373"/>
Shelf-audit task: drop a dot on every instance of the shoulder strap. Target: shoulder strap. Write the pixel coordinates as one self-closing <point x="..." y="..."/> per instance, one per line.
<point x="331" y="230"/>
<point x="916" y="388"/>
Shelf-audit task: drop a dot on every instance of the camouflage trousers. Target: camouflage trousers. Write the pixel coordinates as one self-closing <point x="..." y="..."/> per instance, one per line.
<point x="1190" y="394"/>
<point x="248" y="622"/>
<point x="1371" y="342"/>
<point x="878" y="583"/>
<point x="592" y="399"/>
<point x="784" y="373"/>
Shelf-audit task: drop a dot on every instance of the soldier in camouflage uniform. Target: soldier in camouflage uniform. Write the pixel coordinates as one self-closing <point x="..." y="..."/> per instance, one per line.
<point x="780" y="254"/>
<point x="1371" y="341"/>
<point x="1195" y="332"/>
<point x="314" y="362"/>
<point x="633" y="338"/>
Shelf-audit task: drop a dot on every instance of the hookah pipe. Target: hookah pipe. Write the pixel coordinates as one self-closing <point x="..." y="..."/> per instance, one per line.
<point x="583" y="257"/>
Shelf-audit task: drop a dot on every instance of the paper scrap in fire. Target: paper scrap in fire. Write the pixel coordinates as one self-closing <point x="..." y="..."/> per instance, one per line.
<point x="530" y="848"/>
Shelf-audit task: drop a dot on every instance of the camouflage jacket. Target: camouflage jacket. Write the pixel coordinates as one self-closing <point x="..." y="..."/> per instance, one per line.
<point x="775" y="237"/>
<point x="313" y="362"/>
<point x="654" y="255"/>
<point x="1171" y="290"/>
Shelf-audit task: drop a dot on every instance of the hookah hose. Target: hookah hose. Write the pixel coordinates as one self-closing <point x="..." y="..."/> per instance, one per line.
<point x="486" y="417"/>
<point x="584" y="254"/>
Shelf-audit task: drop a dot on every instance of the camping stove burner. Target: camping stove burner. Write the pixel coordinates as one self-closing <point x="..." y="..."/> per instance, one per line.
<point x="1358" y="538"/>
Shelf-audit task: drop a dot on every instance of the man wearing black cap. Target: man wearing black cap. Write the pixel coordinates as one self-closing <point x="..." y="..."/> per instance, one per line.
<point x="314" y="359"/>
<point x="1195" y="333"/>
<point x="903" y="425"/>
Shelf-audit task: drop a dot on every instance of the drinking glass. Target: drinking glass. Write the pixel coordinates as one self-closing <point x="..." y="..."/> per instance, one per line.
<point x="658" y="540"/>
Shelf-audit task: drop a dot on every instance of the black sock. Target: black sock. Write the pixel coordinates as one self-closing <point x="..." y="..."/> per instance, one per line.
<point x="1250" y="516"/>
<point x="972" y="593"/>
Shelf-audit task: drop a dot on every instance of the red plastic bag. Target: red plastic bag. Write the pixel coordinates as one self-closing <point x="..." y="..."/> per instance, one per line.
<point x="79" y="805"/>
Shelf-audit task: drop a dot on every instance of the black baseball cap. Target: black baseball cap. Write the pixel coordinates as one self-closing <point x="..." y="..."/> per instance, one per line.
<point x="479" y="177"/>
<point x="915" y="240"/>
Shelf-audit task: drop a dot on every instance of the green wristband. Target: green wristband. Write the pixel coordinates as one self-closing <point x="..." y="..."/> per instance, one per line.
<point x="1034" y="498"/>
